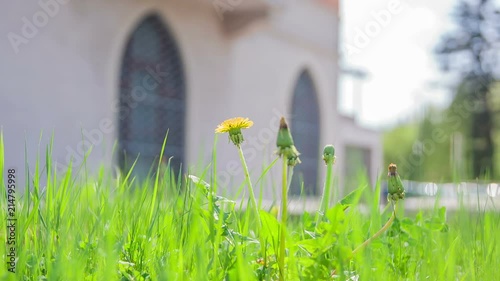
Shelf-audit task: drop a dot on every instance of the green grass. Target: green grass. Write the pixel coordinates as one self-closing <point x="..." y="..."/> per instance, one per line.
<point x="78" y="227"/>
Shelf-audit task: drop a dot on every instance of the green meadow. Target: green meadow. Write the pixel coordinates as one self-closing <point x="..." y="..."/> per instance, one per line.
<point x="111" y="226"/>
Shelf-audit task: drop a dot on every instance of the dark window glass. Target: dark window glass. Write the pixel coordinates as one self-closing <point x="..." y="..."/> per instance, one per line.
<point x="305" y="126"/>
<point x="152" y="99"/>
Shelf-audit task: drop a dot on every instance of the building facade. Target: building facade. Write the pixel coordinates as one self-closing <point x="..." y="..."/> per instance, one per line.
<point x="116" y="76"/>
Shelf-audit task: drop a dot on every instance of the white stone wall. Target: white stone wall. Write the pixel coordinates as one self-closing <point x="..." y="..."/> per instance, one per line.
<point x="65" y="78"/>
<point x="266" y="62"/>
<point x="350" y="135"/>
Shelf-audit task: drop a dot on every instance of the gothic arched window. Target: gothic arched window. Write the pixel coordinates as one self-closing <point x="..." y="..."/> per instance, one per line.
<point x="305" y="128"/>
<point x="152" y="99"/>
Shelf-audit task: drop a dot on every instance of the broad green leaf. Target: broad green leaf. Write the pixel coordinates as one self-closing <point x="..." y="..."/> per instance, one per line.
<point x="311" y="246"/>
<point x="336" y="217"/>
<point x="270" y="228"/>
<point x="353" y="197"/>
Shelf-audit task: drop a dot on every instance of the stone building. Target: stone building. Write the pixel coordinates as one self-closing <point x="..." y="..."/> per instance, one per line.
<point x="116" y="75"/>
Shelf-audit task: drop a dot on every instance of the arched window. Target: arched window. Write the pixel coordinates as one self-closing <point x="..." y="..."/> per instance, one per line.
<point x="305" y="128"/>
<point x="152" y="99"/>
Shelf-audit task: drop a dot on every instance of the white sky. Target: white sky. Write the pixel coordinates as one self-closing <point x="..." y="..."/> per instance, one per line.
<point x="398" y="57"/>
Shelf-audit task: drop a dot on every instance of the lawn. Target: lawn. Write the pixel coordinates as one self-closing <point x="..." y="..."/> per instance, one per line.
<point x="113" y="227"/>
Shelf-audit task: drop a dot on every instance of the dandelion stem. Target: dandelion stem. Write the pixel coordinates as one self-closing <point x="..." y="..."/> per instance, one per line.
<point x="284" y="199"/>
<point x="386" y="208"/>
<point x="325" y="201"/>
<point x="254" y="207"/>
<point x="382" y="230"/>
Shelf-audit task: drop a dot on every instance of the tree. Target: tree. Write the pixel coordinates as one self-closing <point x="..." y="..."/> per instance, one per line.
<point x="472" y="52"/>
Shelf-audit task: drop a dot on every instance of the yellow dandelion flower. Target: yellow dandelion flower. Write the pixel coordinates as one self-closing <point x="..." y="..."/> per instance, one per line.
<point x="233" y="126"/>
<point x="236" y="123"/>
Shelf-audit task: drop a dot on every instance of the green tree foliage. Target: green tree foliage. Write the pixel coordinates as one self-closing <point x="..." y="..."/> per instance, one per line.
<point x="422" y="150"/>
<point x="494" y="101"/>
<point x="437" y="147"/>
<point x="398" y="144"/>
<point x="471" y="51"/>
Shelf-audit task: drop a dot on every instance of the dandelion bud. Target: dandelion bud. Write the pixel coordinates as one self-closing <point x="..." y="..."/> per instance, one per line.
<point x="395" y="185"/>
<point x="286" y="149"/>
<point x="293" y="157"/>
<point x="329" y="154"/>
<point x="284" y="136"/>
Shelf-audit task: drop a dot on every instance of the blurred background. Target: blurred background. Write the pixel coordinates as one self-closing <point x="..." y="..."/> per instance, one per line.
<point x="404" y="81"/>
<point x="427" y="77"/>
